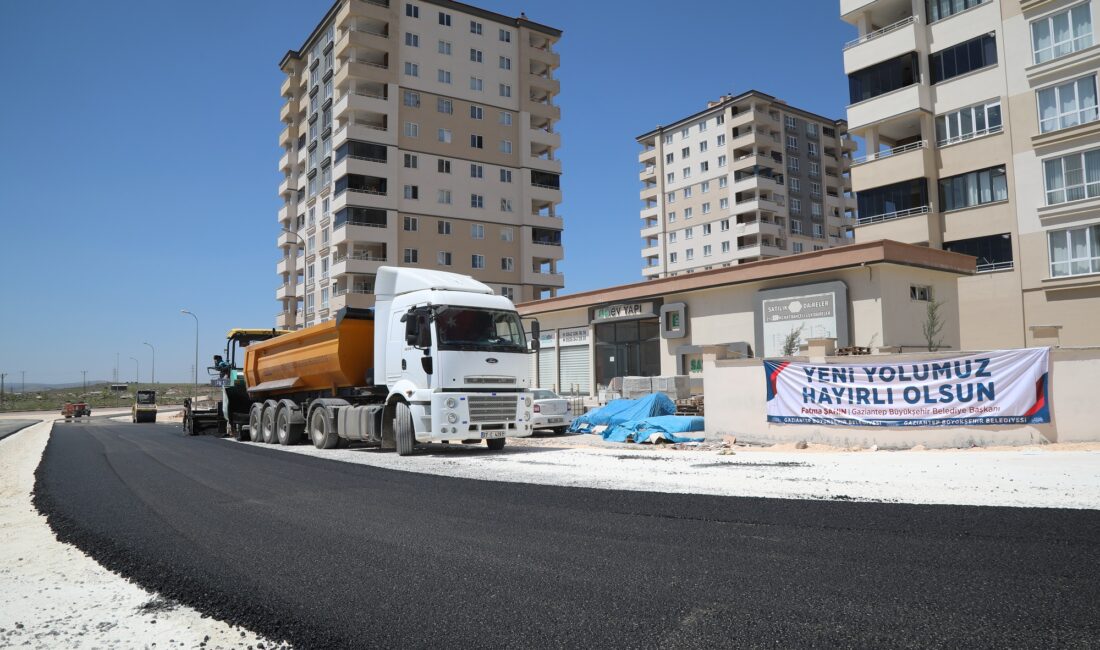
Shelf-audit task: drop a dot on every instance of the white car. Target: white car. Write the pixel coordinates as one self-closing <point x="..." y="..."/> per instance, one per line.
<point x="550" y="411"/>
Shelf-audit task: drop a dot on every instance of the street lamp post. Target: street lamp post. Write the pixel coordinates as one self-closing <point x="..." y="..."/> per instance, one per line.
<point x="294" y="279"/>
<point x="137" y="372"/>
<point x="196" y="368"/>
<point x="153" y="372"/>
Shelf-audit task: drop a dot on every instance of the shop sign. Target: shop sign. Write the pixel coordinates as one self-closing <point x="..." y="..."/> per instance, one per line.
<point x="623" y="311"/>
<point x="573" y="336"/>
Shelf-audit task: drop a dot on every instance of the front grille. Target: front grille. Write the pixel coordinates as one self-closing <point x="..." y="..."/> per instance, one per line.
<point x="492" y="408"/>
<point x="486" y="379"/>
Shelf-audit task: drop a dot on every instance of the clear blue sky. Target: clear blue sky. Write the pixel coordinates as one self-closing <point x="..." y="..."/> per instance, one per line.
<point x="139" y="173"/>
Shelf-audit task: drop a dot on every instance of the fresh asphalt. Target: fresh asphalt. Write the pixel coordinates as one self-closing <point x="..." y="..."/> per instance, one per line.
<point x="329" y="554"/>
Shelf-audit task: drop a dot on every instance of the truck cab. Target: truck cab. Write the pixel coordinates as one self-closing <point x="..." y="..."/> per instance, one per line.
<point x="454" y="353"/>
<point x="145" y="406"/>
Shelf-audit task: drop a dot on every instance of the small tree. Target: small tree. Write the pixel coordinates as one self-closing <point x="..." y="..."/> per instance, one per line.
<point x="790" y="343"/>
<point x="933" y="325"/>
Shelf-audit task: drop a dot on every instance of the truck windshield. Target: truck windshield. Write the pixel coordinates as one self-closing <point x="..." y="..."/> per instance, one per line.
<point x="146" y="398"/>
<point x="461" y="328"/>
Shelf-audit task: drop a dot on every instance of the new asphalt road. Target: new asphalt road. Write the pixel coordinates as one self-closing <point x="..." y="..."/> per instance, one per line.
<point x="331" y="554"/>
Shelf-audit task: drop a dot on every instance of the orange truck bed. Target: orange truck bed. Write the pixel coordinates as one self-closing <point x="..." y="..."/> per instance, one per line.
<point x="338" y="353"/>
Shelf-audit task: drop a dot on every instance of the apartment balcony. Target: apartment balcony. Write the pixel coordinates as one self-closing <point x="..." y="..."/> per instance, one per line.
<point x="285" y="213"/>
<point x="367" y="33"/>
<point x="358" y="262"/>
<point x="758" y="227"/>
<point x="650" y="212"/>
<point x="554" y="279"/>
<point x="891" y="41"/>
<point x="754" y="204"/>
<point x="743" y="118"/>
<point x="544" y="136"/>
<point x="649" y="193"/>
<point x="362" y="166"/>
<point x="374" y="71"/>
<point x="356" y="298"/>
<point x="541" y="107"/>
<point x="544" y="82"/>
<point x="351" y="13"/>
<point x="546" y="249"/>
<point x="288" y="112"/>
<point x="285" y="265"/>
<point x="893" y="165"/>
<point x="648" y="156"/>
<point x="910" y="99"/>
<point x="366" y="130"/>
<point x="362" y="102"/>
<point x="542" y="159"/>
<point x="651" y="231"/>
<point x="354" y="231"/>
<point x="283" y="320"/>
<point x="748" y="252"/>
<point x="543" y="54"/>
<point x="285" y="161"/>
<point x="544" y="193"/>
<point x="288" y="136"/>
<point x="290" y="85"/>
<point x="284" y="292"/>
<point x="912" y="226"/>
<point x="648" y="173"/>
<point x="286" y="187"/>
<point x="754" y="139"/>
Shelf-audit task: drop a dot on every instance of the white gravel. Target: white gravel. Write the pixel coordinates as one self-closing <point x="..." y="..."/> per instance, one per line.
<point x="54" y="596"/>
<point x="1029" y="476"/>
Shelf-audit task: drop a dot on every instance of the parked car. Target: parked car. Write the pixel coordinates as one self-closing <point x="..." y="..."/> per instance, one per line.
<point x="551" y="411"/>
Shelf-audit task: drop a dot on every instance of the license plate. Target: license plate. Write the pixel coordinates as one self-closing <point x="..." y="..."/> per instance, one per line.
<point x="555" y="420"/>
<point x="486" y="435"/>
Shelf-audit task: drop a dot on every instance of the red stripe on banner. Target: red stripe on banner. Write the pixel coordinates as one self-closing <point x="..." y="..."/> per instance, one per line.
<point x="775" y="375"/>
<point x="1040" y="397"/>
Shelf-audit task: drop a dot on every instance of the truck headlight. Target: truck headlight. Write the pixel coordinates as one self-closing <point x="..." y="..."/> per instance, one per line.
<point x="452" y="417"/>
<point x="450" y="403"/>
<point x="526" y="416"/>
<point x="527" y="400"/>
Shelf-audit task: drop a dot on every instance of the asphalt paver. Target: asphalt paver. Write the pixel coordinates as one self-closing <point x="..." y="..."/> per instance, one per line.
<point x="323" y="553"/>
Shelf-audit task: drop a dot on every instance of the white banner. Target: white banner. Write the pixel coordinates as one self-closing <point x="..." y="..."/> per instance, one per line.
<point x="1001" y="387"/>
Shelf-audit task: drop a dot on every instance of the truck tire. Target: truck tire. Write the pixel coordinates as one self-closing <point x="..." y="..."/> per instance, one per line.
<point x="495" y="444"/>
<point x="404" y="435"/>
<point x="286" y="431"/>
<point x="255" y="422"/>
<point x="321" y="430"/>
<point x="268" y="421"/>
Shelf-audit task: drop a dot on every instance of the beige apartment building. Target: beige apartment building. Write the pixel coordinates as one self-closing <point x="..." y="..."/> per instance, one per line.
<point x="418" y="133"/>
<point x="748" y="178"/>
<point x="979" y="120"/>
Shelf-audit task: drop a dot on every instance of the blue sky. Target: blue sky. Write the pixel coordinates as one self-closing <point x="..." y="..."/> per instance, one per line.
<point x="139" y="172"/>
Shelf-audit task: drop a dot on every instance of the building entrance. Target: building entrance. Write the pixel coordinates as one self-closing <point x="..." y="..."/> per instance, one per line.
<point x="628" y="349"/>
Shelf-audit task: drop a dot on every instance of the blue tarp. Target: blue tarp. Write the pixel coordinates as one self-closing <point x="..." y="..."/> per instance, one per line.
<point x="637" y="420"/>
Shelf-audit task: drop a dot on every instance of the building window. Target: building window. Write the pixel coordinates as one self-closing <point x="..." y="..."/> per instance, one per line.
<point x="687" y="192"/>
<point x="796" y="247"/>
<point x="411" y="98"/>
<point x="940" y="9"/>
<point x="412" y="69"/>
<point x="790" y="122"/>
<point x="506" y="176"/>
<point x="475" y="27"/>
<point x="444" y="76"/>
<point x="443" y="258"/>
<point x="672" y="217"/>
<point x="508" y="292"/>
<point x="687" y="213"/>
<point x="686" y="172"/>
<point x="412" y="40"/>
<point x="811" y="129"/>
<point x="706" y="250"/>
<point x="811" y="148"/>
<point x="1073" y="177"/>
<point x="443" y="227"/>
<point x="993" y="252"/>
<point x="970" y="122"/>
<point x="444" y="19"/>
<point x="477" y="231"/>
<point x="443" y="166"/>
<point x="796" y="206"/>
<point x="669" y="158"/>
<point x="505" y="90"/>
<point x="476" y="84"/>
<point x="444" y="105"/>
<point x="689" y="254"/>
<point x="722" y="161"/>
<point x="1068" y="104"/>
<point x="476" y="171"/>
<point x="792" y="164"/>
<point x="506" y="205"/>
<point x="412" y="11"/>
<point x="960" y="59"/>
<point x="477" y="201"/>
<point x="444" y="135"/>
<point x="506" y="146"/>
<point x="689" y="233"/>
<point x="704" y="187"/>
<point x="819" y="231"/>
<point x="703" y="146"/>
<point x="706" y="229"/>
<point x="973" y="188"/>
<point x="905" y="197"/>
<point x="505" y="36"/>
<point x="505" y="118"/>
<point x="706" y="208"/>
<point x="723" y="181"/>
<point x="704" y="167"/>
<point x="1061" y="33"/>
<point x="670" y="197"/>
<point x="477" y="142"/>
<point x="685" y="152"/>
<point x="411" y="224"/>
<point x="702" y="126"/>
<point x="411" y="161"/>
<point x="672" y="258"/>
<point x="476" y="55"/>
<point x="505" y="63"/>
<point x="476" y="112"/>
<point x="721" y="140"/>
<point x="411" y="256"/>
<point x="883" y="78"/>
<point x="412" y="192"/>
<point x="507" y="264"/>
<point x="672" y="237"/>
<point x="412" y="129"/>
<point x="444" y="197"/>
<point x="796" y="185"/>
<point x="444" y="48"/>
<point x="815" y="210"/>
<point x="725" y="247"/>
<point x="477" y="261"/>
<point x="724" y="225"/>
<point x="1075" y="251"/>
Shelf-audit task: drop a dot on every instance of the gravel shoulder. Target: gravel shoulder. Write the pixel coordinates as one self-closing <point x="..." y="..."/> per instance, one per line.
<point x="1047" y="477"/>
<point x="54" y="596"/>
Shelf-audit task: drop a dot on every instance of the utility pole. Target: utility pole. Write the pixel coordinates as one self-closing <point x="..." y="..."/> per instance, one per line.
<point x="2" y="375"/>
<point x="23" y="388"/>
<point x="195" y="369"/>
<point x="116" y="367"/>
<point x="137" y="372"/>
<point x="84" y="380"/>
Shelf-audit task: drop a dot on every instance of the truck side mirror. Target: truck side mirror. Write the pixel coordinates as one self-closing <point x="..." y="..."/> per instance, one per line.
<point x="423" y="332"/>
<point x="535" y="341"/>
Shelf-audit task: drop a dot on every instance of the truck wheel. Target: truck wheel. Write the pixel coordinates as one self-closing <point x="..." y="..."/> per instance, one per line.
<point x="320" y="429"/>
<point x="255" y="423"/>
<point x="268" y="422"/>
<point x="287" y="433"/>
<point x="495" y="444"/>
<point x="403" y="429"/>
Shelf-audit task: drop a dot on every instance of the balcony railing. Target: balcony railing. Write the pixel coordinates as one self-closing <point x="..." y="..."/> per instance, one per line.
<point x="870" y="36"/>
<point x="970" y="136"/>
<point x="366" y="257"/>
<point x="886" y="153"/>
<point x="351" y="222"/>
<point x="378" y="3"/>
<point x="994" y="266"/>
<point x="890" y="216"/>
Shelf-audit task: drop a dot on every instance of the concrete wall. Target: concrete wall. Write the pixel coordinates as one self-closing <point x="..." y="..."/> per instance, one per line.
<point x="741" y="411"/>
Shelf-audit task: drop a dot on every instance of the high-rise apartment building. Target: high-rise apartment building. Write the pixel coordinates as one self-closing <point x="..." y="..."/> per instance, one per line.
<point x="746" y="179"/>
<point x="979" y="120"/>
<point x="418" y="134"/>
